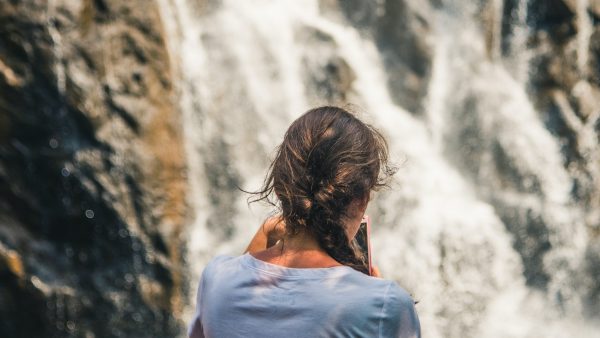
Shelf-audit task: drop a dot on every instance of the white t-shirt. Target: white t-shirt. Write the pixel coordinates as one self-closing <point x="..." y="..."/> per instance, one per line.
<point x="246" y="297"/>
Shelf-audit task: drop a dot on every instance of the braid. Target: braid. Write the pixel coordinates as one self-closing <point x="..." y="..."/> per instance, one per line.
<point x="326" y="224"/>
<point x="340" y="248"/>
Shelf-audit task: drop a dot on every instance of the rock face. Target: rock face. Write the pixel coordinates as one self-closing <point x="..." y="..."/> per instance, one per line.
<point x="566" y="88"/>
<point x="401" y="30"/>
<point x="92" y="172"/>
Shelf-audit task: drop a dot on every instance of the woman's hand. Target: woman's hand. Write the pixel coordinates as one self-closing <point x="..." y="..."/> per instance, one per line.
<point x="269" y="233"/>
<point x="375" y="271"/>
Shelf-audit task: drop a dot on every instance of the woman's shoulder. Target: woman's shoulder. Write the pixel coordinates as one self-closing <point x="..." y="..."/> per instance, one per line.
<point x="389" y="290"/>
<point x="397" y="295"/>
<point x="216" y="263"/>
<point x="219" y="260"/>
<point x="400" y="317"/>
<point x="395" y="307"/>
<point x="394" y="297"/>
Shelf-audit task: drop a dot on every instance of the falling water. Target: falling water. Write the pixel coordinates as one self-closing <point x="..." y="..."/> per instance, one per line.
<point x="585" y="29"/>
<point x="59" y="67"/>
<point x="517" y="60"/>
<point x="446" y="230"/>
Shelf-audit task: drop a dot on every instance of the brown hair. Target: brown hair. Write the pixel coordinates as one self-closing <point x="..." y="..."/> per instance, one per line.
<point x="327" y="160"/>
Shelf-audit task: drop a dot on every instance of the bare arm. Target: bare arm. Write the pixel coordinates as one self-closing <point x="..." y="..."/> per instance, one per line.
<point x="271" y="231"/>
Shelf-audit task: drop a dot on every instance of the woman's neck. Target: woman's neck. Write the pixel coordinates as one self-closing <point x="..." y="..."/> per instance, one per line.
<point x="299" y="251"/>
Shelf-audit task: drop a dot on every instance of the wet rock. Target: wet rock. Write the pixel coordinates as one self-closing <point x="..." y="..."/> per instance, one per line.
<point x="556" y="17"/>
<point x="92" y="173"/>
<point x="595" y="56"/>
<point x="593" y="269"/>
<point x="562" y="84"/>
<point x="564" y="87"/>
<point x="401" y="30"/>
<point x="493" y="163"/>
<point x="328" y="79"/>
<point x="595" y="8"/>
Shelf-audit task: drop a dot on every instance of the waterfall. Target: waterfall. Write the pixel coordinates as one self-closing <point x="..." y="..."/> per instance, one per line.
<point x="585" y="29"/>
<point x="518" y="53"/>
<point x="478" y="167"/>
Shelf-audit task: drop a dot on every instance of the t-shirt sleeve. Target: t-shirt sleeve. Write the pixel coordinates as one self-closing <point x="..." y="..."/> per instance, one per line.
<point x="195" y="329"/>
<point x="399" y="317"/>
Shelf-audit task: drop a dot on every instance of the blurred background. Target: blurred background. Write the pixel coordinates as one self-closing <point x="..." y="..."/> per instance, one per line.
<point x="126" y="127"/>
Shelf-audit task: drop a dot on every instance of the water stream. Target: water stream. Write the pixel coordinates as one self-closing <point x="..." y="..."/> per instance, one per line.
<point x="449" y="229"/>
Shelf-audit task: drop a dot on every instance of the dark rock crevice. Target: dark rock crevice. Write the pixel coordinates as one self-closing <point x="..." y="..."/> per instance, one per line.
<point x="83" y="250"/>
<point x="401" y="31"/>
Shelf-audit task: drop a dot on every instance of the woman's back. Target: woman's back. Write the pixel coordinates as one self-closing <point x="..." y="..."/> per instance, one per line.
<point x="247" y="297"/>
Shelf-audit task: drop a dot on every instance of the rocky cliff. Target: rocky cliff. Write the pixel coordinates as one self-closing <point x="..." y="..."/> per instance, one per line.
<point x="92" y="172"/>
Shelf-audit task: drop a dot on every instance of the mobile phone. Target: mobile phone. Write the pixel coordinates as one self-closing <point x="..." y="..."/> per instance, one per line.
<point x="363" y="240"/>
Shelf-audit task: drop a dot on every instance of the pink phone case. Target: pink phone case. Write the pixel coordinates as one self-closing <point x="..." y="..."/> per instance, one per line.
<point x="369" y="243"/>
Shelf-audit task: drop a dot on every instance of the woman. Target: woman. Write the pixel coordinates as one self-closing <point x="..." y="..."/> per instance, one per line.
<point x="302" y="275"/>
